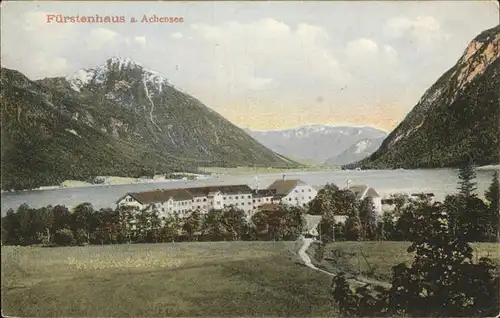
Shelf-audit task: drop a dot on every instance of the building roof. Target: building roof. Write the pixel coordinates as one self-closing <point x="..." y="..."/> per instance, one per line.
<point x="225" y="189"/>
<point x="361" y="191"/>
<point x="185" y="193"/>
<point x="260" y="193"/>
<point x="161" y="196"/>
<point x="283" y="187"/>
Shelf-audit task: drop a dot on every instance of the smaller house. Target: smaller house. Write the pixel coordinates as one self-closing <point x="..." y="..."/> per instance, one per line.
<point x="364" y="191"/>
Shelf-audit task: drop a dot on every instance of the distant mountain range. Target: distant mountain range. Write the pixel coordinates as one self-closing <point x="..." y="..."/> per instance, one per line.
<point x="315" y="143"/>
<point x="456" y="119"/>
<point x="118" y="118"/>
<point x="359" y="150"/>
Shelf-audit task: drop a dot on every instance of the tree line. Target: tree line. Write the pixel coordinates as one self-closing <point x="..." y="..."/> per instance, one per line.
<point x="470" y="216"/>
<point x="58" y="226"/>
<point x="443" y="280"/>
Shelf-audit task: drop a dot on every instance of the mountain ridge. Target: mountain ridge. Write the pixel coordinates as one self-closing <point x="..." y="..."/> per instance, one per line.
<point x="314" y="142"/>
<point x="127" y="122"/>
<point x="455" y="120"/>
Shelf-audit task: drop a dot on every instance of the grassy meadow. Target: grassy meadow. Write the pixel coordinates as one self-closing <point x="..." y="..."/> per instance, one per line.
<point x="375" y="259"/>
<point x="173" y="279"/>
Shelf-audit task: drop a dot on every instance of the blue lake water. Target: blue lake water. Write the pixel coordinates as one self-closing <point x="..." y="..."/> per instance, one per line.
<point x="438" y="181"/>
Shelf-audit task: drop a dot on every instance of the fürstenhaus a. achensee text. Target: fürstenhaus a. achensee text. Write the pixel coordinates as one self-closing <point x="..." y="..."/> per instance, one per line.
<point x="59" y="18"/>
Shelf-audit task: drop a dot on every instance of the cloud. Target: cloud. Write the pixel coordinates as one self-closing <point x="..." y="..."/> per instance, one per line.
<point x="362" y="47"/>
<point x="263" y="53"/>
<point x="140" y="40"/>
<point x="424" y="29"/>
<point x="52" y="66"/>
<point x="177" y="35"/>
<point x="100" y="37"/>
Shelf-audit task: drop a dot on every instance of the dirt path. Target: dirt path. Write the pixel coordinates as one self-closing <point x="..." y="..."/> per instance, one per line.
<point x="307" y="261"/>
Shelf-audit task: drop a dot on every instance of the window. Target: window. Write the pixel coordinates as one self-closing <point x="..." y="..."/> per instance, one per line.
<point x="198" y="206"/>
<point x="309" y="197"/>
<point x="253" y="201"/>
<point x="249" y="196"/>
<point x="302" y="190"/>
<point x="230" y="197"/>
<point x="259" y="200"/>
<point x="224" y="198"/>
<point x="163" y="209"/>
<point x="236" y="204"/>
<point x="249" y="203"/>
<point x="289" y="199"/>
<point x="296" y="199"/>
<point x="218" y="202"/>
<point x="309" y="190"/>
<point x="236" y="197"/>
<point x="204" y="199"/>
<point x="242" y="203"/>
<point x="296" y="190"/>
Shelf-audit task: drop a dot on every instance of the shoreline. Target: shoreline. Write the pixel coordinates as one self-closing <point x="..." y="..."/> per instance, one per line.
<point x="214" y="174"/>
<point x="108" y="181"/>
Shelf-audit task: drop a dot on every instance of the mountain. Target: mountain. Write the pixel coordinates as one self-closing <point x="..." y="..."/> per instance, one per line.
<point x="357" y="151"/>
<point x="116" y="119"/>
<point x="456" y="119"/>
<point x="315" y="142"/>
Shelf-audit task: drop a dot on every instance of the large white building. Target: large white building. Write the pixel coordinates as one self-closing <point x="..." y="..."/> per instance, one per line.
<point x="184" y="201"/>
<point x="204" y="199"/>
<point x="292" y="192"/>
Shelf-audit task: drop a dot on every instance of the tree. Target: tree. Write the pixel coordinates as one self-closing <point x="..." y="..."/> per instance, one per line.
<point x="61" y="218"/>
<point x="64" y="237"/>
<point x="234" y="221"/>
<point x="492" y="195"/>
<point x="172" y="228"/>
<point x="83" y="222"/>
<point x="323" y="201"/>
<point x="443" y="280"/>
<point x="192" y="226"/>
<point x="368" y="218"/>
<point x="212" y="228"/>
<point x="108" y="229"/>
<point x="467" y="176"/>
<point x="341" y="202"/>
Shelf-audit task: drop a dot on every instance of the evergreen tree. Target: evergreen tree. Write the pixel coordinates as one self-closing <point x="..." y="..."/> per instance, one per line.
<point x="467" y="176"/>
<point x="493" y="197"/>
<point x="368" y="218"/>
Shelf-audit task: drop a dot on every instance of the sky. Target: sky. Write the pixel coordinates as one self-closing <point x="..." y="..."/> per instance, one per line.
<point x="262" y="65"/>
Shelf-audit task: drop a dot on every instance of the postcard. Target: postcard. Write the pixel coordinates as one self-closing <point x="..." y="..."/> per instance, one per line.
<point x="246" y="158"/>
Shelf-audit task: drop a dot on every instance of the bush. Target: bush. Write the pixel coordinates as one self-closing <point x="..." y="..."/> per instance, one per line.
<point x="64" y="237"/>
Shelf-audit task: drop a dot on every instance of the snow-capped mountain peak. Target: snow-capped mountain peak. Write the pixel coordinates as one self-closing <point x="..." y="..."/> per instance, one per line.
<point x="100" y="74"/>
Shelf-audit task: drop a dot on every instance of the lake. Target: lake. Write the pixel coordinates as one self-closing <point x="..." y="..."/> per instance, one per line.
<point x="438" y="181"/>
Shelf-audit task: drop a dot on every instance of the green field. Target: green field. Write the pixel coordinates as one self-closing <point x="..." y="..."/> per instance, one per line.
<point x="381" y="256"/>
<point x="177" y="279"/>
